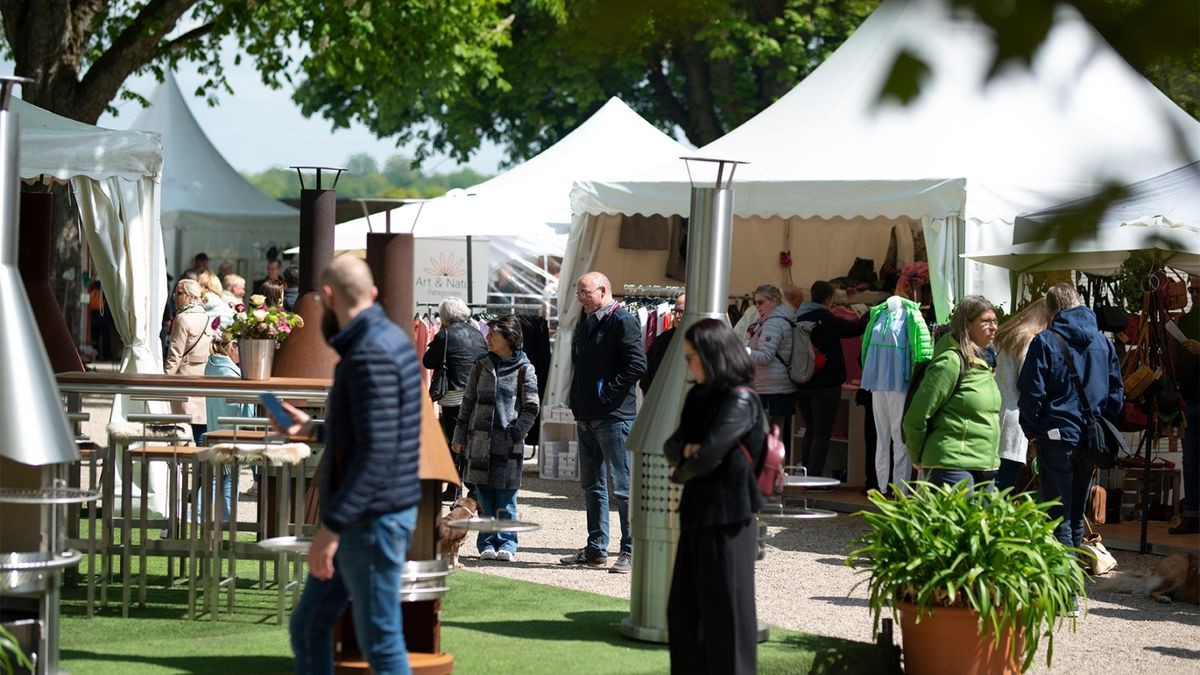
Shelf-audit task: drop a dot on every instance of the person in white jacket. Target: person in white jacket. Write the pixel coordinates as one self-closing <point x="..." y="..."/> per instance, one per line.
<point x="1012" y="342"/>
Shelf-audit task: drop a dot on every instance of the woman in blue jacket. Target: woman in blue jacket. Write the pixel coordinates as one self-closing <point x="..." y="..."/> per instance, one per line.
<point x="223" y="363"/>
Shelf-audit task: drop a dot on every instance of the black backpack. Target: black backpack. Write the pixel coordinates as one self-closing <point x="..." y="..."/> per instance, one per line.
<point x="918" y="377"/>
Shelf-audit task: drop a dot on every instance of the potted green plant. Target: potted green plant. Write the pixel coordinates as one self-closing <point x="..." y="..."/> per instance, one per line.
<point x="978" y="573"/>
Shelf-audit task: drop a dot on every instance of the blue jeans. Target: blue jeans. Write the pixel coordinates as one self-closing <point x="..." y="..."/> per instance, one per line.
<point x="492" y="503"/>
<point x="984" y="479"/>
<point x="1066" y="474"/>
<point x="1191" y="461"/>
<point x="367" y="568"/>
<point x="602" y="452"/>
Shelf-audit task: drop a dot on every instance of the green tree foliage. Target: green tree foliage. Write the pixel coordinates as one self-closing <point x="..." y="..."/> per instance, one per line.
<point x="703" y="66"/>
<point x="397" y="180"/>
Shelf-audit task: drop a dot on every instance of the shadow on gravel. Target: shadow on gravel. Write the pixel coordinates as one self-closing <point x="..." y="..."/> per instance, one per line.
<point x="842" y="601"/>
<point x="1147" y="613"/>
<point x="1178" y="652"/>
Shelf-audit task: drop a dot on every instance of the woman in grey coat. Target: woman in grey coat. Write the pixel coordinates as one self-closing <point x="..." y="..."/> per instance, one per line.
<point x="498" y="408"/>
<point x="770" y="342"/>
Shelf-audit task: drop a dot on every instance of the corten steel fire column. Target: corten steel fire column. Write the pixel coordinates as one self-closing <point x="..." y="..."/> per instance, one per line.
<point x="654" y="500"/>
<point x="390" y="257"/>
<point x="35" y="437"/>
<point x="306" y="353"/>
<point x="33" y="259"/>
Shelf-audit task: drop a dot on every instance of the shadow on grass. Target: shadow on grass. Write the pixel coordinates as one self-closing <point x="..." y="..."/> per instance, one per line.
<point x="592" y="627"/>
<point x="832" y="656"/>
<point x="188" y="664"/>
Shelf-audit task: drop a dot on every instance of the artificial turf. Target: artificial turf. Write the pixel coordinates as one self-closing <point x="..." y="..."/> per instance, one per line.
<point x="490" y="624"/>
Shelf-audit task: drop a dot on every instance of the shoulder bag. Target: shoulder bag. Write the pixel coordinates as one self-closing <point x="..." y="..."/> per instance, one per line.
<point x="1101" y="441"/>
<point x="441" y="379"/>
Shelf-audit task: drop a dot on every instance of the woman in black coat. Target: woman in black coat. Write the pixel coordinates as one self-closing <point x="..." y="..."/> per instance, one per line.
<point x="459" y="345"/>
<point x="711" y="618"/>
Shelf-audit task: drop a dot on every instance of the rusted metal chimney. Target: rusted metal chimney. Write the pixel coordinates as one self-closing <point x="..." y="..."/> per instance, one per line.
<point x="306" y="353"/>
<point x="33" y="259"/>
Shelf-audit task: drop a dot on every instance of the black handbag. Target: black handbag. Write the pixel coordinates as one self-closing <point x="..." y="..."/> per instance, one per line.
<point x="440" y="381"/>
<point x="1110" y="318"/>
<point x="1102" y="442"/>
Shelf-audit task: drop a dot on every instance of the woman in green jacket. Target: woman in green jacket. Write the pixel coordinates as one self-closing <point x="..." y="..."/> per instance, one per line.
<point x="952" y="426"/>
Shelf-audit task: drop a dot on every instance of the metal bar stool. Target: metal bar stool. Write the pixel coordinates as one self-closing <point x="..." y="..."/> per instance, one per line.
<point x="146" y="420"/>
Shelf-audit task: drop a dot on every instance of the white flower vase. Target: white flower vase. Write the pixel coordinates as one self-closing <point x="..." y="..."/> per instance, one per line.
<point x="256" y="358"/>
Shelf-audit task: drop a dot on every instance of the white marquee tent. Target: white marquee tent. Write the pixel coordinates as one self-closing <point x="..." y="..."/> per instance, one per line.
<point x="1158" y="214"/>
<point x="835" y="171"/>
<point x="530" y="203"/>
<point x="206" y="204"/>
<point x="114" y="176"/>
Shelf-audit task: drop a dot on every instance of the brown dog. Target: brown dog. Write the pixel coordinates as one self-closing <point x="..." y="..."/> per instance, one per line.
<point x="1175" y="577"/>
<point x="450" y="539"/>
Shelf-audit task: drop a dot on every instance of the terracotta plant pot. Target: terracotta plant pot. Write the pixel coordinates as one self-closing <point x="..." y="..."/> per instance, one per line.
<point x="947" y="642"/>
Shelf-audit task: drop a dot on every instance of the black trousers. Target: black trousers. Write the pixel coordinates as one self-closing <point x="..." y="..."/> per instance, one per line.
<point x="447" y="421"/>
<point x="711" y="621"/>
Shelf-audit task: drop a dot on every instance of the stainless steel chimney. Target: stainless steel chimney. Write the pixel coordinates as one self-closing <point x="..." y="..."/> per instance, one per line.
<point x="654" y="500"/>
<point x="35" y="429"/>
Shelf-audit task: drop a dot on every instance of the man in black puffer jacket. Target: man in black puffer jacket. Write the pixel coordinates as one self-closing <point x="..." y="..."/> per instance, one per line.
<point x="607" y="352"/>
<point x="369" y="482"/>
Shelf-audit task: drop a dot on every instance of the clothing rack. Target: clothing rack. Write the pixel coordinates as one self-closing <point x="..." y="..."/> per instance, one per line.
<point x="431" y="307"/>
<point x="653" y="290"/>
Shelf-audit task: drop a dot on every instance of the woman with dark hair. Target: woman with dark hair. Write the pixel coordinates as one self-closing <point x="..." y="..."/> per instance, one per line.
<point x="498" y="408"/>
<point x="272" y="290"/>
<point x="710" y="614"/>
<point x="952" y="427"/>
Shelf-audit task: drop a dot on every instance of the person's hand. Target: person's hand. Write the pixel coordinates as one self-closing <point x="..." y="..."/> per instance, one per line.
<point x="690" y="450"/>
<point x="456" y="448"/>
<point x="1192" y="346"/>
<point x="320" y="554"/>
<point x="302" y="421"/>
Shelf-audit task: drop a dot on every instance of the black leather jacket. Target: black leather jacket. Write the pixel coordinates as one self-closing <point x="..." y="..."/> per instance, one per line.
<point x="466" y="346"/>
<point x="721" y="488"/>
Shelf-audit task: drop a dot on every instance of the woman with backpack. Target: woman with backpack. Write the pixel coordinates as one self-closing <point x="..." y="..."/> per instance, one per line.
<point x="770" y="342"/>
<point x="952" y="425"/>
<point x="498" y="408"/>
<point x="711" y="615"/>
<point x="1012" y="343"/>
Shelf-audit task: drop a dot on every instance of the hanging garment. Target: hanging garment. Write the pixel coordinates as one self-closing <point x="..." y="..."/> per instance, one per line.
<point x="645" y="233"/>
<point x="891" y="456"/>
<point x="888" y="364"/>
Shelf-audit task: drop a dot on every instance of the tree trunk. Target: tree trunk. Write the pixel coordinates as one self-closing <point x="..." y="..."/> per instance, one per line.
<point x="66" y="262"/>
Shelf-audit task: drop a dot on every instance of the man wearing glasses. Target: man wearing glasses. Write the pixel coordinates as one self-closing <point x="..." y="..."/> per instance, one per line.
<point x="1187" y="366"/>
<point x="606" y="351"/>
<point x="658" y="348"/>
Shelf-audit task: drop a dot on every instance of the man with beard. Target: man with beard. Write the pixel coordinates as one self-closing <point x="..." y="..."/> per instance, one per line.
<point x="369" y="482"/>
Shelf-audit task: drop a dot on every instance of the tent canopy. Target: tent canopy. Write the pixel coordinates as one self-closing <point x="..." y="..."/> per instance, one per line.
<point x="114" y="177"/>
<point x="530" y="202"/>
<point x="1157" y="214"/>
<point x="56" y="146"/>
<point x="206" y="204"/>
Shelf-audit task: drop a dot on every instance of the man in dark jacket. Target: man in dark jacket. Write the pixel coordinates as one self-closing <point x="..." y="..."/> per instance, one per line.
<point x="819" y="398"/>
<point x="658" y="348"/>
<point x="369" y="482"/>
<point x="606" y="351"/>
<point x="1051" y="411"/>
<point x="1187" y="373"/>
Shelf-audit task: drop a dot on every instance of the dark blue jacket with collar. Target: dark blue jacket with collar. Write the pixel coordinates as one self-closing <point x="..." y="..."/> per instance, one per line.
<point x="608" y="359"/>
<point x="1049" y="400"/>
<point x="372" y="428"/>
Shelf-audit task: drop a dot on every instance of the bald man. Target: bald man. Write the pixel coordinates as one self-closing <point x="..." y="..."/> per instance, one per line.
<point x="606" y="351"/>
<point x="369" y="483"/>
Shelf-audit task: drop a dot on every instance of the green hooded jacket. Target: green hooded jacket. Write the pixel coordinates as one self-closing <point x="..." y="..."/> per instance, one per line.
<point x="918" y="333"/>
<point x="965" y="430"/>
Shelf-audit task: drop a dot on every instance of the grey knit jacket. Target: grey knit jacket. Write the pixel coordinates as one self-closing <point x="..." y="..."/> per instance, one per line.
<point x="770" y="343"/>
<point x="492" y="423"/>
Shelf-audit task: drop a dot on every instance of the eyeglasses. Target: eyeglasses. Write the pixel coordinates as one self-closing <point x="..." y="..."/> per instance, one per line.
<point x="760" y="302"/>
<point x="677" y="311"/>
<point x="180" y="292"/>
<point x="584" y="294"/>
<point x="987" y="322"/>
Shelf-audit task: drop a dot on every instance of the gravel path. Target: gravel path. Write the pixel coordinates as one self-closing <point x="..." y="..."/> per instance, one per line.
<point x="804" y="585"/>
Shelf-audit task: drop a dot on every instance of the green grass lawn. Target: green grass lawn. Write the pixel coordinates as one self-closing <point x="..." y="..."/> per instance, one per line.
<point x="490" y="625"/>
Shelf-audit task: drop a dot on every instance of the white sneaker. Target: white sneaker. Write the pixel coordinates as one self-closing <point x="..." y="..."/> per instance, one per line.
<point x="489" y="554"/>
<point x="506" y="556"/>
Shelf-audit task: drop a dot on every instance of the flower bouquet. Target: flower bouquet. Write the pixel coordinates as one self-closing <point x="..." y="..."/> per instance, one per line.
<point x="260" y="322"/>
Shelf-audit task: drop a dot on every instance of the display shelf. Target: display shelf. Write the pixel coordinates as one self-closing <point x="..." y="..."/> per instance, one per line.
<point x="847" y="452"/>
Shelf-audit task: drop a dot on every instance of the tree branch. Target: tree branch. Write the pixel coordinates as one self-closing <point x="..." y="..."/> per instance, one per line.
<point x="666" y="98"/>
<point x="167" y="46"/>
<point x="136" y="46"/>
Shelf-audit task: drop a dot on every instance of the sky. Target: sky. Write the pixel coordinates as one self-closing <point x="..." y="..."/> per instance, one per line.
<point x="257" y="127"/>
